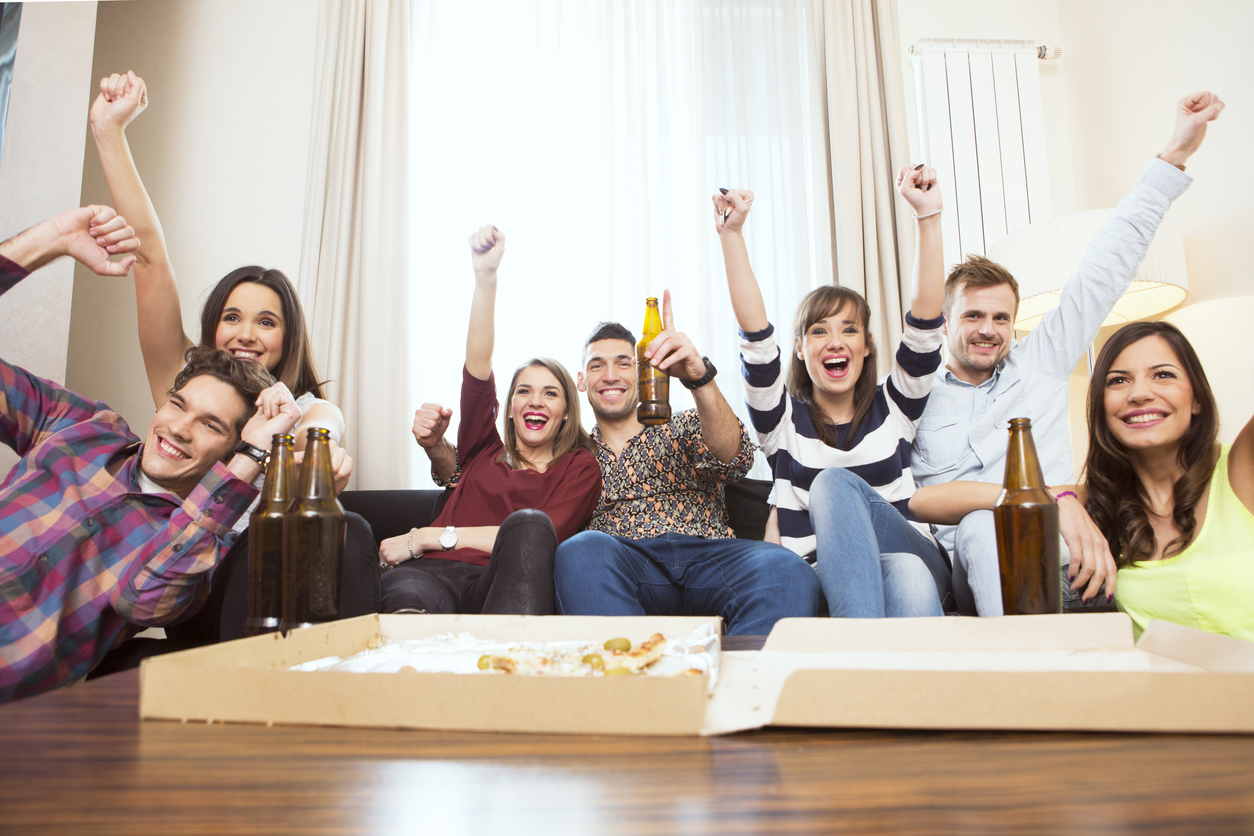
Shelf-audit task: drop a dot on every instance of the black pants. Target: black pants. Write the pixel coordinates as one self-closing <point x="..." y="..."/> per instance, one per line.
<point x="518" y="579"/>
<point x="223" y="615"/>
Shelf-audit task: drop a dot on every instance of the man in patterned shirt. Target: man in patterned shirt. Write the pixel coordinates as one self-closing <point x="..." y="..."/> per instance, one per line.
<point x="101" y="534"/>
<point x="658" y="542"/>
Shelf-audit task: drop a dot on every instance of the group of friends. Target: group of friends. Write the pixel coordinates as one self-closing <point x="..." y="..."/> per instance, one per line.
<point x="883" y="486"/>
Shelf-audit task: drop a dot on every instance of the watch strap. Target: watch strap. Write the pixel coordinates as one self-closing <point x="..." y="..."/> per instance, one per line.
<point x="255" y="453"/>
<point x="710" y="371"/>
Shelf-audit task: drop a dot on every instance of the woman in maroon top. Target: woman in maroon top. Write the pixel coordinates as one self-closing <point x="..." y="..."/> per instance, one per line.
<point x="491" y="549"/>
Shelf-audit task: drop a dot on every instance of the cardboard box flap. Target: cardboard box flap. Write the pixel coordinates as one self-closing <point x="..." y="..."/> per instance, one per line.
<point x="1221" y="654"/>
<point x="1014" y="632"/>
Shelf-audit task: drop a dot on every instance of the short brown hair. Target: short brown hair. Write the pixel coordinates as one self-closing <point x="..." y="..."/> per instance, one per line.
<point x="247" y="378"/>
<point x="977" y="271"/>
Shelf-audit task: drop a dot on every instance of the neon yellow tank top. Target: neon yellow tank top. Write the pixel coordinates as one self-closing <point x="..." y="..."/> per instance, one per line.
<point x="1210" y="585"/>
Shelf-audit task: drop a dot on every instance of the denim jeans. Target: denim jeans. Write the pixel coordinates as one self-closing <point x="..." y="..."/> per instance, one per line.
<point x="872" y="562"/>
<point x="977" y="574"/>
<point x="749" y="583"/>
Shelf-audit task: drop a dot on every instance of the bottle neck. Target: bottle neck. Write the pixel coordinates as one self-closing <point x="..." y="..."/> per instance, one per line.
<point x="317" y="480"/>
<point x="1023" y="468"/>
<point x="280" y="475"/>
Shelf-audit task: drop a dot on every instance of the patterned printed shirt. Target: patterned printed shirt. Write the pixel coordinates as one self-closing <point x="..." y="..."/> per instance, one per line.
<point x="666" y="481"/>
<point x="84" y="553"/>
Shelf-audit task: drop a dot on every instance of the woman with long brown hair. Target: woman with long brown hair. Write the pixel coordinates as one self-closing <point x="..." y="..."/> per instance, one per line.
<point x="1170" y="526"/>
<point x="838" y="437"/>
<point x="521" y="492"/>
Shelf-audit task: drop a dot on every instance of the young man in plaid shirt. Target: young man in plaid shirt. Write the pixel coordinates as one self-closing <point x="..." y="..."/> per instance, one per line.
<point x="102" y="533"/>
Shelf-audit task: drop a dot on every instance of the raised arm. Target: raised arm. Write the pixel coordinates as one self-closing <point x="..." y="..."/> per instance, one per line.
<point x="161" y="336"/>
<point x="673" y="352"/>
<point x="486" y="248"/>
<point x="918" y="188"/>
<point x="731" y="210"/>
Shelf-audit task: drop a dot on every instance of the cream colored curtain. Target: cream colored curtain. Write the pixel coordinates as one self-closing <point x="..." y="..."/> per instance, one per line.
<point x="863" y="107"/>
<point x="354" y="258"/>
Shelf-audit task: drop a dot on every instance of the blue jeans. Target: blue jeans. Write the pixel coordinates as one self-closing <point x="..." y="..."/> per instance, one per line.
<point x="749" y="583"/>
<point x="872" y="562"/>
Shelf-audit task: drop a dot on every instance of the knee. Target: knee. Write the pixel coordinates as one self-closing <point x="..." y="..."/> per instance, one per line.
<point x="529" y="518"/>
<point x="976" y="531"/>
<point x="790" y="570"/>
<point x="584" y="549"/>
<point x="835" y="486"/>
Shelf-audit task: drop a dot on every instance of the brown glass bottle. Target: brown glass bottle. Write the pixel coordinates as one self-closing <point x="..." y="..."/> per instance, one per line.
<point x="654" y="385"/>
<point x="1027" y="531"/>
<point x="314" y="529"/>
<point x="265" y="540"/>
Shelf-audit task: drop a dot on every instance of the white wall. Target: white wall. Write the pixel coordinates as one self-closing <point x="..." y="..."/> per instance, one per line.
<point x="222" y="149"/>
<point x="41" y="170"/>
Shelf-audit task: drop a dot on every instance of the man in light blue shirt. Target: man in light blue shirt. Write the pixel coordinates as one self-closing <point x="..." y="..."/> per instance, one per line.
<point x="991" y="377"/>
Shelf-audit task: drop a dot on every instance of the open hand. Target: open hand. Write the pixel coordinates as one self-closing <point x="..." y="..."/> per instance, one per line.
<point x="1092" y="565"/>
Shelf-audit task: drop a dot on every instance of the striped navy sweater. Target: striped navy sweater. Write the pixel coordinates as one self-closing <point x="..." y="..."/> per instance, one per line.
<point x="880" y="450"/>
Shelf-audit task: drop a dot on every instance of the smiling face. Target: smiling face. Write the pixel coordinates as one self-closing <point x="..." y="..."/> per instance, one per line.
<point x="609" y="379"/>
<point x="191" y="432"/>
<point x="251" y="325"/>
<point x="537" y="407"/>
<point x="1147" y="396"/>
<point x="834" y="350"/>
<point x="979" y="326"/>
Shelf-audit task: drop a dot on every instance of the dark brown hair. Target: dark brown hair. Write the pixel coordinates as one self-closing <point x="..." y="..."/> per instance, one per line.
<point x="572" y="435"/>
<point x="248" y="379"/>
<point x="296" y="366"/>
<point x="1116" y="498"/>
<point x="977" y="271"/>
<point x="821" y="303"/>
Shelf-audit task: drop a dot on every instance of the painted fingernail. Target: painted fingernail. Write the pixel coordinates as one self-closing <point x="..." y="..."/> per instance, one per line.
<point x="1110" y="598"/>
<point x="721" y="189"/>
<point x="919" y="166"/>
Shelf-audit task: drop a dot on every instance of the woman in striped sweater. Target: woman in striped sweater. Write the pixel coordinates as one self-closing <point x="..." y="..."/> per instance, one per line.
<point x="838" y="440"/>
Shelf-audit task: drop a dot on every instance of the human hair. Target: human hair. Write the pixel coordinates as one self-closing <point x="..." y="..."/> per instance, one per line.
<point x="571" y="436"/>
<point x="296" y="367"/>
<point x="247" y="379"/>
<point x="1116" y="497"/>
<point x="821" y="303"/>
<point x="608" y="331"/>
<point x="977" y="271"/>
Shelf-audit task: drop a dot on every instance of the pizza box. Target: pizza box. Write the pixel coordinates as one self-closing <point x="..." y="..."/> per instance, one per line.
<point x="249" y="681"/>
<point x="1048" y="672"/>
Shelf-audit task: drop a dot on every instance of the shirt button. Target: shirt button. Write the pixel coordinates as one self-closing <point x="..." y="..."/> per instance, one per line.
<point x="208" y="512"/>
<point x="178" y="547"/>
<point x="89" y="522"/>
<point x="43" y="558"/>
<point x="218" y="499"/>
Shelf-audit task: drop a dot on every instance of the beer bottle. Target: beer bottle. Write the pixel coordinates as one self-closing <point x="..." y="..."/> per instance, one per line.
<point x="265" y="539"/>
<point x="1027" y="531"/>
<point x="654" y="384"/>
<point x="314" y="529"/>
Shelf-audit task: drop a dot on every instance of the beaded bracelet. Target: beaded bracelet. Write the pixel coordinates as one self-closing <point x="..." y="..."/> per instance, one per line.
<point x="1065" y="493"/>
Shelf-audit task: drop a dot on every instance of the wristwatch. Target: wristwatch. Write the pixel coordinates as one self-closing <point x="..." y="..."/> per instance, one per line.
<point x="255" y="453"/>
<point x="710" y="371"/>
<point x="448" y="538"/>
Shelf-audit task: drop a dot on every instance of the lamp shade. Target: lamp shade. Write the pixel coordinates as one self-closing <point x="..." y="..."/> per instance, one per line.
<point x="1042" y="256"/>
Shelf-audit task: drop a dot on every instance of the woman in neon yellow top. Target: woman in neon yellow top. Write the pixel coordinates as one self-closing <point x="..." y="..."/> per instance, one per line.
<point x="1160" y="492"/>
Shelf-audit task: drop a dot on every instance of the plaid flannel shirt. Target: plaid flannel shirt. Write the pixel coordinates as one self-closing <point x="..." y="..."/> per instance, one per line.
<point x="85" y="556"/>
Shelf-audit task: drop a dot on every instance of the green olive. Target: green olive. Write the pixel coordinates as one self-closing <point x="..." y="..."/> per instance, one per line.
<point x="621" y="645"/>
<point x="618" y="672"/>
<point x="485" y="662"/>
<point x="594" y="660"/>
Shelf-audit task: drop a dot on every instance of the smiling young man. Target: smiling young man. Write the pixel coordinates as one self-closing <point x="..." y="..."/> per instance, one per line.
<point x="992" y="378"/>
<point x="659" y="542"/>
<point x="102" y="533"/>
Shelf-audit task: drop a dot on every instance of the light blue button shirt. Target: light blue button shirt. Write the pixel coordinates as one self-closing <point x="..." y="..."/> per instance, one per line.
<point x="963" y="432"/>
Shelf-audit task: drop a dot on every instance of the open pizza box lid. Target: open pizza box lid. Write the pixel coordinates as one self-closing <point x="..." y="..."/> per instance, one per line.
<point x="1054" y="672"/>
<point x="249" y="681"/>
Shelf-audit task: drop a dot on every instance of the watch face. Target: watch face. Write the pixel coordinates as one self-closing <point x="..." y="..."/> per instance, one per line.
<point x="448" y="538"/>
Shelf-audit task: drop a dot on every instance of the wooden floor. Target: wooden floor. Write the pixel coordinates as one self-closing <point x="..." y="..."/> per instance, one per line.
<point x="79" y="761"/>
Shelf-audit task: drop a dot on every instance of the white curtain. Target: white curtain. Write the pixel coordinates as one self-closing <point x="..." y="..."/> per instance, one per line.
<point x="353" y="279"/>
<point x="593" y="134"/>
